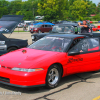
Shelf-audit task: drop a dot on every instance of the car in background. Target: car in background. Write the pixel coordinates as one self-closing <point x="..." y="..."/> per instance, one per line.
<point x="7" y="25"/>
<point x="96" y="28"/>
<point x="68" y="28"/>
<point x="20" y="25"/>
<point x="93" y="26"/>
<point x="3" y="48"/>
<point x="41" y="28"/>
<point x="58" y="29"/>
<point x="31" y="25"/>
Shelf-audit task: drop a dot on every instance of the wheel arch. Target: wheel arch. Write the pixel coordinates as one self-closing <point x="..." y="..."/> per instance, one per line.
<point x="12" y="46"/>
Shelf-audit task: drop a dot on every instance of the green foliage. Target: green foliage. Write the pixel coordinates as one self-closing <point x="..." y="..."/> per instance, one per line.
<point x="52" y="10"/>
<point x="97" y="17"/>
<point x="79" y="10"/>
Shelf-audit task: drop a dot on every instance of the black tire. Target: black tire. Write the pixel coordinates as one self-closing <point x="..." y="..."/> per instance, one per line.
<point x="11" y="49"/>
<point x="53" y="76"/>
<point x="32" y="32"/>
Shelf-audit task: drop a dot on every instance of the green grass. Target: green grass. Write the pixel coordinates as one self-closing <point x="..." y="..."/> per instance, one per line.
<point x="20" y="31"/>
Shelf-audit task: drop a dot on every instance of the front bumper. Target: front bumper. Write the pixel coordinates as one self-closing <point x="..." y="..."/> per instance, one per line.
<point x="3" y="52"/>
<point x="34" y="31"/>
<point x="22" y="79"/>
<point x="3" y="49"/>
<point x="21" y="86"/>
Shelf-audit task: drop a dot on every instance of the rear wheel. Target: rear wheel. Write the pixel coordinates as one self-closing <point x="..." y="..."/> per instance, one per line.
<point x="11" y="49"/>
<point x="53" y="76"/>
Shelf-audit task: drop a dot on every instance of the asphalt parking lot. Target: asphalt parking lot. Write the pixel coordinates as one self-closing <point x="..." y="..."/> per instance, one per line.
<point x="83" y="86"/>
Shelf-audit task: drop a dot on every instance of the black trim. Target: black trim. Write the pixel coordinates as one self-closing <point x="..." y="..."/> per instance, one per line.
<point x="86" y="52"/>
<point x="21" y="86"/>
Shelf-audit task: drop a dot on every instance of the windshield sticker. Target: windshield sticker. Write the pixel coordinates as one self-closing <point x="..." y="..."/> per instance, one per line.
<point x="70" y="60"/>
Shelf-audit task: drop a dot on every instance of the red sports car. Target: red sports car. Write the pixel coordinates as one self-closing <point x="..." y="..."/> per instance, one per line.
<point x="48" y="59"/>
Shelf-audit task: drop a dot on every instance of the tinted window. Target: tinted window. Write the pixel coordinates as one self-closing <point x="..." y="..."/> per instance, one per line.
<point x="46" y="25"/>
<point x="51" y="44"/>
<point x="67" y="29"/>
<point x="86" y="45"/>
<point x="49" y="25"/>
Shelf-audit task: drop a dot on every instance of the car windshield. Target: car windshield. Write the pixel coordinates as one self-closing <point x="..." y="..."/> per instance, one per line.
<point x="51" y="44"/>
<point x="37" y="26"/>
<point x="63" y="29"/>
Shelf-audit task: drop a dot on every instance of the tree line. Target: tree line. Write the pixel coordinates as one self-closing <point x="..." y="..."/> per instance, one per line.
<point x="52" y="10"/>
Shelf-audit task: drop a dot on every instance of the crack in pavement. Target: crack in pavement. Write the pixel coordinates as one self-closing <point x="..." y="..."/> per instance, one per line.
<point x="70" y="85"/>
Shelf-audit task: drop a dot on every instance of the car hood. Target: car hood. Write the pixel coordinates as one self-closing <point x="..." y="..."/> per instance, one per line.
<point x="25" y="57"/>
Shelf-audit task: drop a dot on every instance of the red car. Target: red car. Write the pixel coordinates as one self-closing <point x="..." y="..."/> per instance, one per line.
<point x="50" y="58"/>
<point x="41" y="28"/>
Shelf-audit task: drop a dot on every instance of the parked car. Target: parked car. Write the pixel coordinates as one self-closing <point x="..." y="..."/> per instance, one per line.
<point x="46" y="61"/>
<point x="93" y="26"/>
<point x="41" y="28"/>
<point x="57" y="28"/>
<point x="96" y="28"/>
<point x="7" y="25"/>
<point x="3" y="48"/>
<point x="20" y="25"/>
<point x="69" y="28"/>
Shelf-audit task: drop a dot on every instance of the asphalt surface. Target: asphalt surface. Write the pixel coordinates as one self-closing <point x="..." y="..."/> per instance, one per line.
<point x="82" y="86"/>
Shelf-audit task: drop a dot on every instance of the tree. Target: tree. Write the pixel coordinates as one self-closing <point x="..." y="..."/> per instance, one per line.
<point x="14" y="6"/>
<point x="3" y="7"/>
<point x="79" y="10"/>
<point x="3" y="11"/>
<point x="51" y="9"/>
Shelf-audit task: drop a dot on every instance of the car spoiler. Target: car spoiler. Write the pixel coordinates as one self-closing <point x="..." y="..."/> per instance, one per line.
<point x="9" y="22"/>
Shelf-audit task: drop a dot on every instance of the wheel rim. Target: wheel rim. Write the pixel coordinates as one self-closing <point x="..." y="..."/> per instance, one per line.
<point x="53" y="76"/>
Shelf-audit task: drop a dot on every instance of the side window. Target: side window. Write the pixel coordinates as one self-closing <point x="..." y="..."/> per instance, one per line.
<point x="46" y="26"/>
<point x="43" y="26"/>
<point x="75" y="42"/>
<point x="49" y="25"/>
<point x="86" y="45"/>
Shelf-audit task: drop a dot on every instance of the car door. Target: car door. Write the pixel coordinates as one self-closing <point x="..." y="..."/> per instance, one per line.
<point x="42" y="28"/>
<point x="46" y="28"/>
<point x="86" y="56"/>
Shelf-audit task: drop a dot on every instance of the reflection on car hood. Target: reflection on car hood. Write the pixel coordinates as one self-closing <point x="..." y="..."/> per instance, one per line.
<point x="25" y="57"/>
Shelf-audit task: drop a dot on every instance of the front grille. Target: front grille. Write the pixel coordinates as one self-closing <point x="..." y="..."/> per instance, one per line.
<point x="6" y="67"/>
<point x="4" y="79"/>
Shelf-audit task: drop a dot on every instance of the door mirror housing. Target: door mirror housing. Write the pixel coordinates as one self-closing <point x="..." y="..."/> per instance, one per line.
<point x="73" y="53"/>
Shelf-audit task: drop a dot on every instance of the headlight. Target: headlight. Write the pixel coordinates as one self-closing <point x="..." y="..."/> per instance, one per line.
<point x="35" y="28"/>
<point x="2" y="42"/>
<point x="27" y="70"/>
<point x="33" y="37"/>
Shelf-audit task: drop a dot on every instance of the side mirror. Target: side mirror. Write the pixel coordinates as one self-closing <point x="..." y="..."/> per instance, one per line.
<point x="73" y="53"/>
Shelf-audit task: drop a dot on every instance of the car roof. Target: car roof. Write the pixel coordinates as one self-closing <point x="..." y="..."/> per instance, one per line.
<point x="66" y="24"/>
<point x="66" y="35"/>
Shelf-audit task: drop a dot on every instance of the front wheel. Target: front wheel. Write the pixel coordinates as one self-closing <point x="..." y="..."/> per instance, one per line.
<point x="53" y="76"/>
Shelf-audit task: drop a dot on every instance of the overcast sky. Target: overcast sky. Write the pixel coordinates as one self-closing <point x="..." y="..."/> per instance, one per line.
<point x="94" y="1"/>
